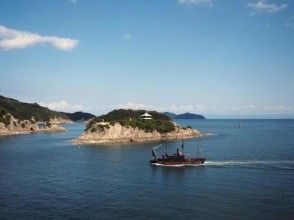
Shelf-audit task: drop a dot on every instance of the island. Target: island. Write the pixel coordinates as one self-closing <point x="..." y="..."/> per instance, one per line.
<point x="79" y="116"/>
<point x="133" y="126"/>
<point x="187" y="115"/>
<point x="23" y="118"/>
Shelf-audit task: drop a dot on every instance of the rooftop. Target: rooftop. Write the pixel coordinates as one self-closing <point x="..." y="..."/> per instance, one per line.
<point x="146" y="115"/>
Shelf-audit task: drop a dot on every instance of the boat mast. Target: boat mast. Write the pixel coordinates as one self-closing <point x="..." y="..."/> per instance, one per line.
<point x="165" y="149"/>
<point x="182" y="146"/>
<point x="198" y="148"/>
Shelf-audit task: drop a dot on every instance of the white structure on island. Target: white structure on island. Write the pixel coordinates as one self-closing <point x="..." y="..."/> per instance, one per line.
<point x="146" y="116"/>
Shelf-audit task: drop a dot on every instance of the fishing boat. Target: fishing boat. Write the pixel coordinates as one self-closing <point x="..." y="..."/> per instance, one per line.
<point x="177" y="159"/>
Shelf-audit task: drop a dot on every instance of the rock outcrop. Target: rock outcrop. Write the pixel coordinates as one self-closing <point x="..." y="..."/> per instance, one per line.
<point x="107" y="134"/>
<point x="59" y="120"/>
<point x="10" y="125"/>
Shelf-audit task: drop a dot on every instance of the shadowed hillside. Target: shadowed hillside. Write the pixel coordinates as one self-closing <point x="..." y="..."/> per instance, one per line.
<point x="25" y="111"/>
<point x="132" y="118"/>
<point x="79" y="116"/>
<point x="184" y="115"/>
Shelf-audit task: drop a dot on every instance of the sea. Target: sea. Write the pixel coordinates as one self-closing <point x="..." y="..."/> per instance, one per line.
<point x="249" y="174"/>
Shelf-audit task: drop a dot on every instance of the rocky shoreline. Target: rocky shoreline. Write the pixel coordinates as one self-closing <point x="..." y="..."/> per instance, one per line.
<point x="14" y="126"/>
<point x="118" y="134"/>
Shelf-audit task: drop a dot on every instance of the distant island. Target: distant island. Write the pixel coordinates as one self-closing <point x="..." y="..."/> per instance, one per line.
<point x="79" y="116"/>
<point x="20" y="118"/>
<point x="127" y="126"/>
<point x="184" y="115"/>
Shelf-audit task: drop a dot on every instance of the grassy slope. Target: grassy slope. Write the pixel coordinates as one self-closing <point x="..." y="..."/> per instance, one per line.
<point x="79" y="116"/>
<point x="132" y="118"/>
<point x="24" y="111"/>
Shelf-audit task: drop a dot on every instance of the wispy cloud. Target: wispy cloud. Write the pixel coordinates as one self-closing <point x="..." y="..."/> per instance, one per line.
<point x="290" y="23"/>
<point x="15" y="39"/>
<point x="266" y="6"/>
<point x="63" y="105"/>
<point x="176" y="108"/>
<point x="210" y="109"/>
<point x="73" y="1"/>
<point x="127" y="36"/>
<point x="196" y="2"/>
<point x="135" y="106"/>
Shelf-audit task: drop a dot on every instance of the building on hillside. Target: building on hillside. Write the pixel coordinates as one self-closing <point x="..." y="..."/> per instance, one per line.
<point x="146" y="116"/>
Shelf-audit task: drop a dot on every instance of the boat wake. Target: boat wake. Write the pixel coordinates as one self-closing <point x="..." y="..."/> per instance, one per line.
<point x="256" y="164"/>
<point x="178" y="165"/>
<point x="266" y="164"/>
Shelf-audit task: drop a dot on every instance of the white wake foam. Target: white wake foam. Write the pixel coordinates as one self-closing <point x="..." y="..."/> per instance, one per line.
<point x="280" y="164"/>
<point x="245" y="162"/>
<point x="178" y="165"/>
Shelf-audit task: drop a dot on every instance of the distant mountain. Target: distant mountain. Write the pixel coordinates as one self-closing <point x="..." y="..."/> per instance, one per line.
<point x="184" y="116"/>
<point x="189" y="116"/>
<point x="170" y="115"/>
<point x="25" y="111"/>
<point x="79" y="116"/>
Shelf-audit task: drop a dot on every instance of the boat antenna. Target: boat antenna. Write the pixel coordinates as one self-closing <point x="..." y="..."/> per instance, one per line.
<point x="165" y="149"/>
<point x="154" y="154"/>
<point x="182" y="146"/>
<point x="198" y="147"/>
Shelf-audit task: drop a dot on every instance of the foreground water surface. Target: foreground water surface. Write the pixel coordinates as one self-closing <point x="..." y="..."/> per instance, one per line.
<point x="249" y="174"/>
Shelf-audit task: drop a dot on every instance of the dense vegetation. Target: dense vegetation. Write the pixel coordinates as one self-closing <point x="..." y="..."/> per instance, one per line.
<point x="170" y="115"/>
<point x="184" y="116"/>
<point x="79" y="116"/>
<point x="24" y="111"/>
<point x="132" y="118"/>
<point x="4" y="118"/>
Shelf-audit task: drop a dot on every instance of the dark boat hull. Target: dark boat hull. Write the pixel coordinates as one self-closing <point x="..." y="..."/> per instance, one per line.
<point x="177" y="162"/>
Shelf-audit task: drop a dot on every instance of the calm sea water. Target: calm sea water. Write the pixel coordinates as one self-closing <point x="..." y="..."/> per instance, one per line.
<point x="249" y="175"/>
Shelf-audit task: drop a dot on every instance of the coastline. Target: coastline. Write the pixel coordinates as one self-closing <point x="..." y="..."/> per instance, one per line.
<point x="124" y="142"/>
<point x="20" y="132"/>
<point x="17" y="127"/>
<point x="118" y="134"/>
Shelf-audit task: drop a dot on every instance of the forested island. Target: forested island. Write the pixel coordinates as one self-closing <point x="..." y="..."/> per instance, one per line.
<point x="125" y="126"/>
<point x="118" y="126"/>
<point x="19" y="117"/>
<point x="79" y="116"/>
<point x="187" y="115"/>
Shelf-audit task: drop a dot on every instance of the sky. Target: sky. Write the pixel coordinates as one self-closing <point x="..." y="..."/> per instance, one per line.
<point x="220" y="58"/>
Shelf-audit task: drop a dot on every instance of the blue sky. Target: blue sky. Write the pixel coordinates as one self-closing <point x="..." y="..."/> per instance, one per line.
<point x="221" y="58"/>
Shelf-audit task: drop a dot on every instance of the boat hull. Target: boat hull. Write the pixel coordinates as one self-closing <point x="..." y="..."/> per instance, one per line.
<point x="177" y="162"/>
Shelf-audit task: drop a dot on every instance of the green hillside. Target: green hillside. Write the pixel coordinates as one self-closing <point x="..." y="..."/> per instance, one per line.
<point x="132" y="118"/>
<point x="184" y="116"/>
<point x="79" y="116"/>
<point x="22" y="110"/>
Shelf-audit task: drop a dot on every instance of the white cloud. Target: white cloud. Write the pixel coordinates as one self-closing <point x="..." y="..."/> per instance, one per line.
<point x="62" y="105"/>
<point x="195" y="2"/>
<point x="14" y="39"/>
<point x="290" y="23"/>
<point x="176" y="108"/>
<point x="210" y="109"/>
<point x="127" y="36"/>
<point x="58" y="106"/>
<point x="135" y="106"/>
<point x="180" y="108"/>
<point x="266" y="6"/>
